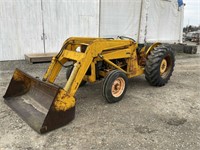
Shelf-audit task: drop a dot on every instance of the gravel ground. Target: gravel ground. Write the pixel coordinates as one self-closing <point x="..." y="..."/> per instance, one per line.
<point x="147" y="118"/>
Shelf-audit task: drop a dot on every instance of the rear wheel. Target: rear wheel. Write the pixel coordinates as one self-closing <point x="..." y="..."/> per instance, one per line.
<point x="159" y="66"/>
<point x="114" y="86"/>
<point x="68" y="73"/>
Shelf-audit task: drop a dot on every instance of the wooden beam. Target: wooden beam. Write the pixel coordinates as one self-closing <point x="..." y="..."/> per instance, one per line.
<point x="39" y="57"/>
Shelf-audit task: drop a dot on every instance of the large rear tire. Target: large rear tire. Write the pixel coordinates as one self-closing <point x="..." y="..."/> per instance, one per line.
<point x="159" y="66"/>
<point x="114" y="86"/>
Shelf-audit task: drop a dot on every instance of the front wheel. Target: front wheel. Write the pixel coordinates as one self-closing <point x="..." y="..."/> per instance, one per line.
<point x="159" y="66"/>
<point x="114" y="86"/>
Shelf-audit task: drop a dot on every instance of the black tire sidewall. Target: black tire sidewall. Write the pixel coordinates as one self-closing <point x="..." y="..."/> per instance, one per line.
<point x="108" y="86"/>
<point x="105" y="81"/>
<point x="170" y="54"/>
<point x="152" y="68"/>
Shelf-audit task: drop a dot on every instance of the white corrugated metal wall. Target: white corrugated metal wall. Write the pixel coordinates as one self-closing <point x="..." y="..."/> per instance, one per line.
<point x="26" y="24"/>
<point x="23" y="22"/>
<point x="164" y="21"/>
<point x="20" y="28"/>
<point x="65" y="18"/>
<point x="122" y="19"/>
<point x="143" y="20"/>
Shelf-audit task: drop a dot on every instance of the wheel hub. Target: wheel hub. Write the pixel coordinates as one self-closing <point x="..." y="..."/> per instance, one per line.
<point x="118" y="87"/>
<point x="163" y="66"/>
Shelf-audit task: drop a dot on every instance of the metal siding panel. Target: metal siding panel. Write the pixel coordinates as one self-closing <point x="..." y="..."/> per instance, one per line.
<point x="63" y="19"/>
<point x="164" y="21"/>
<point x="20" y="28"/>
<point x="120" y="17"/>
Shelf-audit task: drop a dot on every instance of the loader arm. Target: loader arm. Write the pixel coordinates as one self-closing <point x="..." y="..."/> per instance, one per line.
<point x="46" y="106"/>
<point x="83" y="60"/>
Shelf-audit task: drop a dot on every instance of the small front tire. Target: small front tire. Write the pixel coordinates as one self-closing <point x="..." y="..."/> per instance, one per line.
<point x="114" y="86"/>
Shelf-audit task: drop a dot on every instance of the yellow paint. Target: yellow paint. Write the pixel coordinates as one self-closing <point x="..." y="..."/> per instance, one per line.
<point x="112" y="64"/>
<point x="151" y="48"/>
<point x="73" y="55"/>
<point x="49" y="69"/>
<point x="163" y="66"/>
<point x="92" y="77"/>
<point x="17" y="76"/>
<point x="92" y="50"/>
<point x="64" y="101"/>
<point x="72" y="76"/>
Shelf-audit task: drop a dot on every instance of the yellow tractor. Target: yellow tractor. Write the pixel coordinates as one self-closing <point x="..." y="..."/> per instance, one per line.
<point x="46" y="106"/>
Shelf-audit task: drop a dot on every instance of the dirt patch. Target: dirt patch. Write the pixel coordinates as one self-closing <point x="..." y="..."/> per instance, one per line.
<point x="144" y="129"/>
<point x="176" y="121"/>
<point x="147" y="118"/>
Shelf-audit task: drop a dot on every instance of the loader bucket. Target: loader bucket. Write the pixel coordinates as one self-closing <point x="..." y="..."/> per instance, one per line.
<point x="33" y="100"/>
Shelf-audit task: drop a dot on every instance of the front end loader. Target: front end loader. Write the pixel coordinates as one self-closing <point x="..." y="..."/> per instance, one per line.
<point x="46" y="106"/>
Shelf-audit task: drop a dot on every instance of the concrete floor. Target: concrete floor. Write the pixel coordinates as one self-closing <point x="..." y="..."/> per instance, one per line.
<point x="147" y="118"/>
